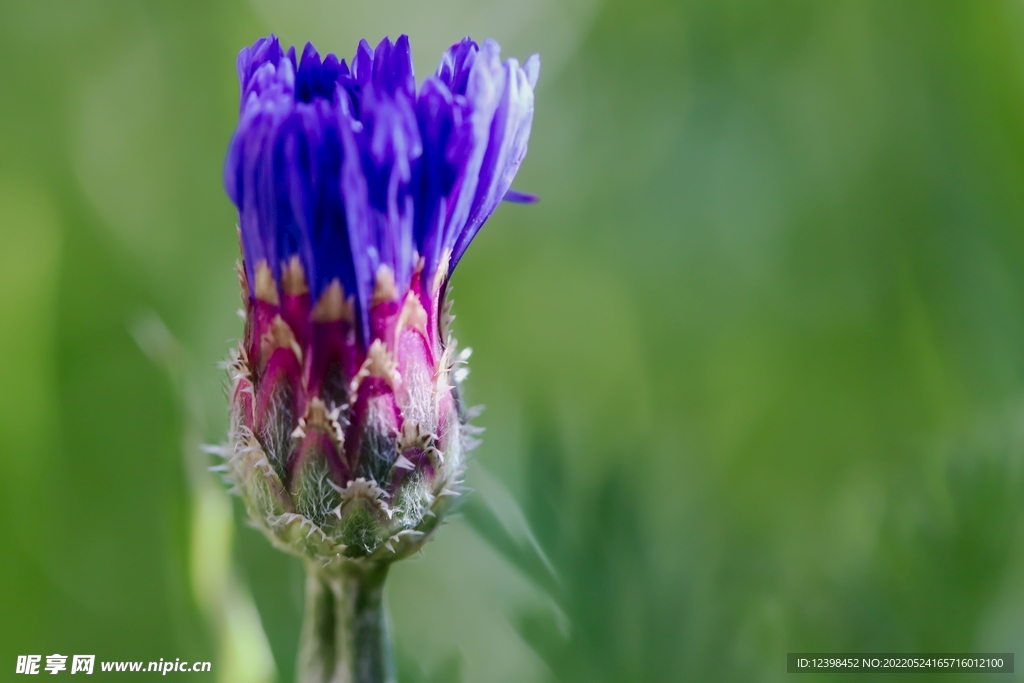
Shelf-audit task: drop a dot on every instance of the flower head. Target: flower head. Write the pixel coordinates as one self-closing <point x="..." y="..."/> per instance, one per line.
<point x="357" y="196"/>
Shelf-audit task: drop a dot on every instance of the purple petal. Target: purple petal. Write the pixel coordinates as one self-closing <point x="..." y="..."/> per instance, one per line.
<point x="350" y="169"/>
<point x="358" y="218"/>
<point x="532" y="69"/>
<point x="391" y="147"/>
<point x="520" y="197"/>
<point x="509" y="132"/>
<point x="435" y="113"/>
<point x="456" y="64"/>
<point x="362" y="63"/>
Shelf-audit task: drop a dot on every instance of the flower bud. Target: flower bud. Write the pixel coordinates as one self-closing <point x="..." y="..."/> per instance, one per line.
<point x="356" y="197"/>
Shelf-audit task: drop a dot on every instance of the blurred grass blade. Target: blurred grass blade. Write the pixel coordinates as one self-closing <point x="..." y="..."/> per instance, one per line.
<point x="518" y="548"/>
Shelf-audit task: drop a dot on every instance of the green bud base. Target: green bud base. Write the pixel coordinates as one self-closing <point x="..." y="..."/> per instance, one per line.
<point x="345" y="634"/>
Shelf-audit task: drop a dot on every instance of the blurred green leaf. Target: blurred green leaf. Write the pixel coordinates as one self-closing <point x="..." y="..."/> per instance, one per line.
<point x="449" y="670"/>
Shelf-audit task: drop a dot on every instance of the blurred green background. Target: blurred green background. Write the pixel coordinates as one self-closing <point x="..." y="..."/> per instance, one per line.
<point x="753" y="367"/>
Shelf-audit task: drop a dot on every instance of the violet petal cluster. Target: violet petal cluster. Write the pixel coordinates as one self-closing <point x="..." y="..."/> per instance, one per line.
<point x="357" y="196"/>
<point x="350" y="169"/>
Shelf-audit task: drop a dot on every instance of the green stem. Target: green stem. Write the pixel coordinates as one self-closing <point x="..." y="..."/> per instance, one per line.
<point x="345" y="634"/>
